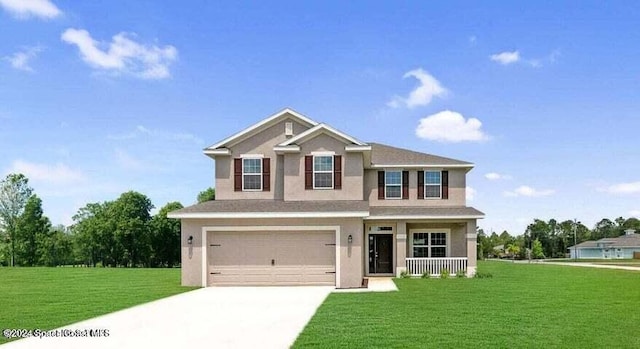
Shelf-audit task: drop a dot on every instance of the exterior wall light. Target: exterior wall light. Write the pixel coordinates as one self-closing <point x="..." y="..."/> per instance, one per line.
<point x="190" y="240"/>
<point x="350" y="238"/>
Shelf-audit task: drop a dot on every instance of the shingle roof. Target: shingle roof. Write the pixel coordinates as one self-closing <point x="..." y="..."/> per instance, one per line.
<point x="453" y="211"/>
<point x="632" y="240"/>
<point x="274" y="206"/>
<point x="387" y="155"/>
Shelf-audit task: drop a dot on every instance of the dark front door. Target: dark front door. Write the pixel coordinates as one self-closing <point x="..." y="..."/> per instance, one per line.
<point x="380" y="253"/>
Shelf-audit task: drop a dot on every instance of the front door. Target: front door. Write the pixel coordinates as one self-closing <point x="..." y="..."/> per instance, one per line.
<point x="380" y="253"/>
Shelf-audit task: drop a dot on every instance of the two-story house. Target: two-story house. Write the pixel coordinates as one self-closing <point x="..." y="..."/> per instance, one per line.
<point x="300" y="203"/>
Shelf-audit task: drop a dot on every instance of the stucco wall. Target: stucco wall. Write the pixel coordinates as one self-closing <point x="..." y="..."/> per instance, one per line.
<point x="350" y="254"/>
<point x="457" y="188"/>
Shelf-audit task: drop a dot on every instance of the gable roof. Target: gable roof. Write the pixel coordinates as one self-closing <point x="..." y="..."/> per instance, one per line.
<point x="255" y="128"/>
<point x="321" y="128"/>
<point x="388" y="156"/>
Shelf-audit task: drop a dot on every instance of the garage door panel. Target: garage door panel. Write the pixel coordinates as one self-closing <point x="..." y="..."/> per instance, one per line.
<point x="245" y="258"/>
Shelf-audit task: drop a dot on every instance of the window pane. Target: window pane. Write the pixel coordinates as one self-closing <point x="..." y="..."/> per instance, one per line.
<point x="323" y="163"/>
<point x="419" y="252"/>
<point x="252" y="165"/>
<point x="252" y="182"/>
<point x="419" y="239"/>
<point x="438" y="238"/>
<point x="438" y="252"/>
<point x="393" y="177"/>
<point x="394" y="192"/>
<point x="432" y="191"/>
<point x="323" y="180"/>
<point x="432" y="177"/>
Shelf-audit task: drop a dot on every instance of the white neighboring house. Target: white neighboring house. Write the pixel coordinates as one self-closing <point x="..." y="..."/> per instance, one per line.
<point x="621" y="247"/>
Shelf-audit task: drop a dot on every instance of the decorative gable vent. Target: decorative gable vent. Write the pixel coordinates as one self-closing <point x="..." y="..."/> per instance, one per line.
<point x="288" y="128"/>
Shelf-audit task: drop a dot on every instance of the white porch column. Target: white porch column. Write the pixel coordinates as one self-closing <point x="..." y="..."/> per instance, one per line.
<point x="472" y="248"/>
<point x="401" y="247"/>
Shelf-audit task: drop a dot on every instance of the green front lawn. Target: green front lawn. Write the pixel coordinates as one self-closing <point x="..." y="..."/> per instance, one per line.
<point x="522" y="306"/>
<point x="630" y="262"/>
<point x="46" y="298"/>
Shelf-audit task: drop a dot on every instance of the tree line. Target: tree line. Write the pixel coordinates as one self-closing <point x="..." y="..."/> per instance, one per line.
<point x="117" y="233"/>
<point x="551" y="239"/>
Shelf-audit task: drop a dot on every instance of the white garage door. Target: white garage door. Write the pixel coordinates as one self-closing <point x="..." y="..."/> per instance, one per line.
<point x="271" y="258"/>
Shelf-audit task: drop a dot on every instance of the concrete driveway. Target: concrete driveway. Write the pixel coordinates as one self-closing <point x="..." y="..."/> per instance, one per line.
<point x="214" y="317"/>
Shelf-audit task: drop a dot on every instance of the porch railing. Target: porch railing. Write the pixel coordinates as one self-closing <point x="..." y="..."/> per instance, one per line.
<point x="434" y="266"/>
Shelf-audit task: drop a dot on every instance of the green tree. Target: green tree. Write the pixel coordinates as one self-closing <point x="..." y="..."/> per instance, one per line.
<point x="14" y="194"/>
<point x="130" y="214"/>
<point x="207" y="195"/>
<point x="513" y="249"/>
<point x="32" y="233"/>
<point x="536" y="250"/>
<point x="58" y="248"/>
<point x="165" y="237"/>
<point x="93" y="234"/>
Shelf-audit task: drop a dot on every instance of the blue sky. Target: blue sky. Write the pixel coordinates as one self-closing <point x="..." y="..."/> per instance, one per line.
<point x="100" y="97"/>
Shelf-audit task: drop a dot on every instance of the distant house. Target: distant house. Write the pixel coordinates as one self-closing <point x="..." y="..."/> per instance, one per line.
<point x="608" y="248"/>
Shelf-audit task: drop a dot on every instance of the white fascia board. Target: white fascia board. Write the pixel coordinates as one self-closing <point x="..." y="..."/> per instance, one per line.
<point x="287" y="149"/>
<point x="201" y="215"/>
<point x="379" y="166"/>
<point x="319" y="128"/>
<point x="266" y="121"/>
<point x="214" y="152"/>
<point x="357" y="148"/>
<point x="408" y="217"/>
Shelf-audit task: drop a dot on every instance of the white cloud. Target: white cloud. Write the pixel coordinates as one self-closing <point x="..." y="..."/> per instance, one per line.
<point x="623" y="188"/>
<point x="635" y="213"/>
<point x="141" y="131"/>
<point x="52" y="174"/>
<point x="127" y="161"/>
<point x="24" y="9"/>
<point x="494" y="176"/>
<point x="123" y="55"/>
<point x="449" y="126"/>
<point x="506" y="57"/>
<point x="527" y="191"/>
<point x="20" y="60"/>
<point x="470" y="193"/>
<point x="423" y="94"/>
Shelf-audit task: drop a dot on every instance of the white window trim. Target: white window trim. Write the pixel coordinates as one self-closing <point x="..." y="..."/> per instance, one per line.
<point x="254" y="157"/>
<point x="313" y="164"/>
<point x="393" y="185"/>
<point x="432" y="185"/>
<point x="431" y="230"/>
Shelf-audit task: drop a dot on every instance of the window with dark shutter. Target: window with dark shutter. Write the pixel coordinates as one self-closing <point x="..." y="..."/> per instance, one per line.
<point x="237" y="174"/>
<point x="266" y="174"/>
<point x="308" y="172"/>
<point x="337" y="172"/>
<point x="380" y="185"/>
<point x="445" y="185"/>
<point x="405" y="185"/>
<point x="420" y="185"/>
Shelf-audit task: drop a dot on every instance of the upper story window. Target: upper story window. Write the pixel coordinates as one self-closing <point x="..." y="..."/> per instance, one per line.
<point x="432" y="184"/>
<point x="323" y="171"/>
<point x="393" y="184"/>
<point x="252" y="174"/>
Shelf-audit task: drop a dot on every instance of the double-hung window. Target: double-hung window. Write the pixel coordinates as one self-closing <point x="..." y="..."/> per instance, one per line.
<point x="323" y="172"/>
<point x="430" y="245"/>
<point x="432" y="184"/>
<point x="251" y="174"/>
<point x="393" y="184"/>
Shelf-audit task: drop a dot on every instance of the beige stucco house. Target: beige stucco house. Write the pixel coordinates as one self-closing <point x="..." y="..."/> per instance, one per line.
<point x="300" y="203"/>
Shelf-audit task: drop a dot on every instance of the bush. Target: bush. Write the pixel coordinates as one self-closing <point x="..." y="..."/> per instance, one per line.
<point x="444" y="273"/>
<point x="461" y="273"/>
<point x="405" y="274"/>
<point x="425" y="275"/>
<point x="481" y="275"/>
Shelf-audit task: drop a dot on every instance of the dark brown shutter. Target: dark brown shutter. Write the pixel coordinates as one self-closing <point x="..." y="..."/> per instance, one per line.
<point x="266" y="174"/>
<point x="337" y="171"/>
<point x="308" y="172"/>
<point x="237" y="174"/>
<point x="445" y="185"/>
<point x="420" y="185"/>
<point x="380" y="185"/>
<point x="405" y="185"/>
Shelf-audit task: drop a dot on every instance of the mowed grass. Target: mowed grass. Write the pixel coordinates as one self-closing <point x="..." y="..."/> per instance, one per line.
<point x="46" y="298"/>
<point x="522" y="306"/>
